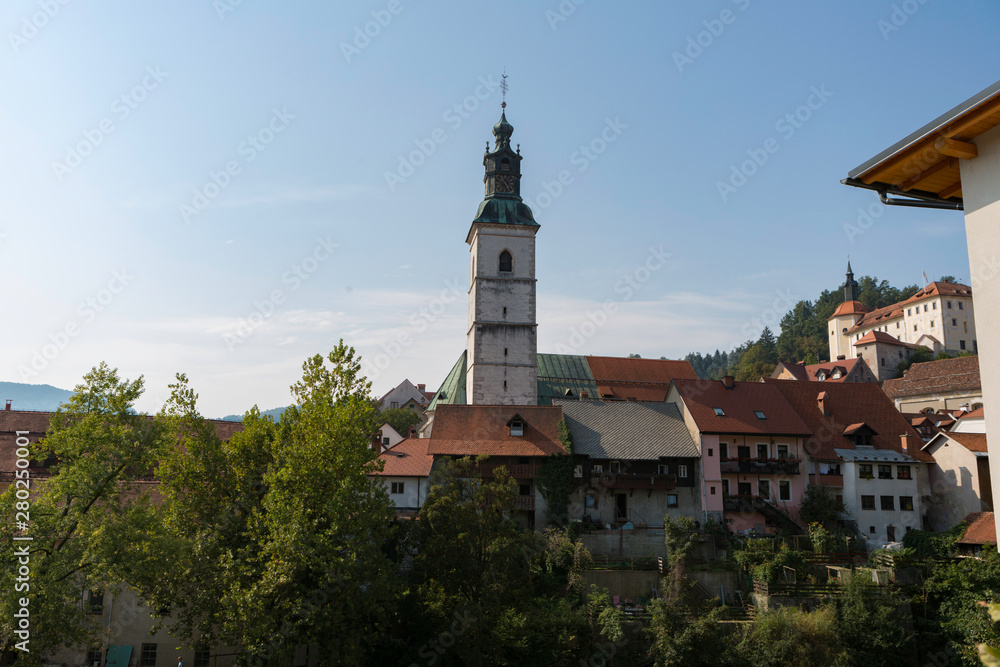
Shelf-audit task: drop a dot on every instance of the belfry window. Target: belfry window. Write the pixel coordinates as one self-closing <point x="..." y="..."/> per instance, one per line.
<point x="506" y="262"/>
<point x="505" y="164"/>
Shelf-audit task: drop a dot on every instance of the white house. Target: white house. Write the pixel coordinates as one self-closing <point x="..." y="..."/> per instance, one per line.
<point x="959" y="477"/>
<point x="406" y="474"/>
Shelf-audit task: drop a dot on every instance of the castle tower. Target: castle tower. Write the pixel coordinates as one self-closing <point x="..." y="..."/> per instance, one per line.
<point x="502" y="365"/>
<point x="844" y="318"/>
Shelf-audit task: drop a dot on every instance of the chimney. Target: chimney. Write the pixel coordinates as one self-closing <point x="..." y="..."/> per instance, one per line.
<point x="904" y="439"/>
<point x="841" y="357"/>
<point x="7" y="407"/>
<point x="422" y="388"/>
<point x="413" y="431"/>
<point x="821" y="402"/>
<point x="377" y="442"/>
<point x="584" y="395"/>
<point x="728" y="382"/>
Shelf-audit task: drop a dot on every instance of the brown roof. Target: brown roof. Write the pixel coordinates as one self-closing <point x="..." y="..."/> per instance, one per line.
<point x="622" y="378"/>
<point x="849" y="404"/>
<point x="407" y="458"/>
<point x="471" y="430"/>
<point x="974" y="442"/>
<point x="881" y="337"/>
<point x="931" y="377"/>
<point x="981" y="529"/>
<point x="797" y="371"/>
<point x="701" y="397"/>
<point x="879" y="315"/>
<point x="845" y="365"/>
<point x="975" y="414"/>
<point x="608" y="370"/>
<point x="849" y="308"/>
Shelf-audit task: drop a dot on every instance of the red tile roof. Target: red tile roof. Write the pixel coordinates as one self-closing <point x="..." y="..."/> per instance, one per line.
<point x="849" y="308"/>
<point x="608" y="370"/>
<point x="701" y="397"/>
<point x="847" y="404"/>
<point x="974" y="442"/>
<point x="975" y="414"/>
<point x="408" y="458"/>
<point x="882" y="337"/>
<point x="931" y="377"/>
<point x="470" y="430"/>
<point x="622" y="378"/>
<point x="981" y="529"/>
<point x="797" y="371"/>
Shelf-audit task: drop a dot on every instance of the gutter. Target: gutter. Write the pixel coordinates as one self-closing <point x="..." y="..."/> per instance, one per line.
<point x="914" y="198"/>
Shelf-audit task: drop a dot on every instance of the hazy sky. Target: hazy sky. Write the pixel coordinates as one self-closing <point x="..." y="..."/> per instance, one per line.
<point x="225" y="188"/>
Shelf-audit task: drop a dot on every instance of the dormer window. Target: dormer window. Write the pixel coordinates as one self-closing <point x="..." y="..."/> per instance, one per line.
<point x="506" y="262"/>
<point x="516" y="426"/>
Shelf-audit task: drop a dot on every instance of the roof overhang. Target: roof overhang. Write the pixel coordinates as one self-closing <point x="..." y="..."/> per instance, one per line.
<point x="923" y="168"/>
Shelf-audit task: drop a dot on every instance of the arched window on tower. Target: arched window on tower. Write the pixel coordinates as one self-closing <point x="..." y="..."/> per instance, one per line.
<point x="505" y="164"/>
<point x="506" y="262"/>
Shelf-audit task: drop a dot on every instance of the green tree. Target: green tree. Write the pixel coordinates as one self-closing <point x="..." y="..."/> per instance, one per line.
<point x="279" y="530"/>
<point x="820" y="505"/>
<point x="76" y="517"/>
<point x="869" y="619"/>
<point x="789" y="636"/>
<point x="473" y="563"/>
<point x="401" y="419"/>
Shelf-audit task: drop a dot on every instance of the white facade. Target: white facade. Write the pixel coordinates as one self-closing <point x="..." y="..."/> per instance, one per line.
<point x="502" y="365"/>
<point x="390" y="437"/>
<point x="981" y="194"/>
<point x="879" y="502"/>
<point x="956" y="477"/>
<point x="407" y="493"/>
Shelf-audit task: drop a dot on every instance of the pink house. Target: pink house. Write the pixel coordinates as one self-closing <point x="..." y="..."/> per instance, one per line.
<point x="753" y="454"/>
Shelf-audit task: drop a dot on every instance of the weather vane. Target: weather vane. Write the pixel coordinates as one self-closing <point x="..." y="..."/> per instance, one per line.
<point x="503" y="88"/>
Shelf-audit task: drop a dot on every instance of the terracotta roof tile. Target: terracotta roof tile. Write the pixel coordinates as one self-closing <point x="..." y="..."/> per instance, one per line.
<point x="471" y="430"/>
<point x="613" y="370"/>
<point x="981" y="529"/>
<point x="739" y="405"/>
<point x="944" y="375"/>
<point x="849" y="308"/>
<point x="975" y="414"/>
<point x="882" y="337"/>
<point x="974" y="442"/>
<point x="407" y="458"/>
<point x="849" y="404"/>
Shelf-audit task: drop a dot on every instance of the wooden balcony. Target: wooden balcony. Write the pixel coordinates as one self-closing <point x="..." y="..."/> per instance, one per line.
<point x="525" y="503"/>
<point x="638" y="481"/>
<point x="760" y="466"/>
<point x="515" y="470"/>
<point x="827" y="480"/>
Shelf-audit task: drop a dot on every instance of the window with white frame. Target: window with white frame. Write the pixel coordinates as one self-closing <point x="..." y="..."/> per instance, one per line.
<point x="682" y="471"/>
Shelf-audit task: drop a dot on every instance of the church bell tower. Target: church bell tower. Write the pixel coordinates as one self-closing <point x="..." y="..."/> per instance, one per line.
<point x="502" y="365"/>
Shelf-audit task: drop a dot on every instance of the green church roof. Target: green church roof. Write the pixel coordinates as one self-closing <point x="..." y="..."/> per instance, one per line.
<point x="557" y="375"/>
<point x="505" y="211"/>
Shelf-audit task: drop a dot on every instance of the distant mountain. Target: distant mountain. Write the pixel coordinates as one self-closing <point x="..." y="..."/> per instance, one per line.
<point x="41" y="397"/>
<point x="273" y="412"/>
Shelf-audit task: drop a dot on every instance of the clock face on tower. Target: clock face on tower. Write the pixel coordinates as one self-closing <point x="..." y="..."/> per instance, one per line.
<point x="505" y="183"/>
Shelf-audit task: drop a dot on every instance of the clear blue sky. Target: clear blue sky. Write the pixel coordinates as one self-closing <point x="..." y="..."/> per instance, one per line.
<point x="114" y="113"/>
